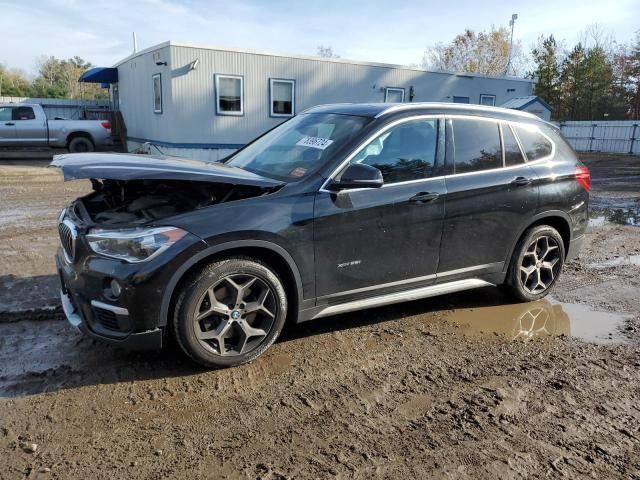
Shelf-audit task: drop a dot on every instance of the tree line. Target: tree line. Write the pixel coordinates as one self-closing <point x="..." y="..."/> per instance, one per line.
<point x="595" y="79"/>
<point x="56" y="78"/>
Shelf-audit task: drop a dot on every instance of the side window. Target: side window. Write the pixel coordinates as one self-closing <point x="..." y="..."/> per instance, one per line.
<point x="404" y="152"/>
<point x="393" y="95"/>
<point x="229" y="94"/>
<point x="282" y="94"/>
<point x="534" y="144"/>
<point x="512" y="153"/>
<point x="5" y="114"/>
<point x="476" y="145"/>
<point x="157" y="93"/>
<point x="23" y="113"/>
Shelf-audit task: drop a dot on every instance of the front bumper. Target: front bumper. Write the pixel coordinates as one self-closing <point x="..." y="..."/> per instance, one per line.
<point x="149" y="340"/>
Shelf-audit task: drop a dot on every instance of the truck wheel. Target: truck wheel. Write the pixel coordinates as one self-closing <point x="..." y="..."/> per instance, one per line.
<point x="230" y="312"/>
<point x="536" y="264"/>
<point x="80" y="145"/>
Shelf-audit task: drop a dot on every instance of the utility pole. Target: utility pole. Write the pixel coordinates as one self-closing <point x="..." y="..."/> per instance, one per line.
<point x="512" y="22"/>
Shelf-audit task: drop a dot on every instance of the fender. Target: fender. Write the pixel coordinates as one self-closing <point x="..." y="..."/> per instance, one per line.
<point x="221" y="247"/>
<point x="532" y="220"/>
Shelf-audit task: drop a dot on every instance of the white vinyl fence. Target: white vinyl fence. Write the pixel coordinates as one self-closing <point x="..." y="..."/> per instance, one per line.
<point x="61" y="107"/>
<point x="603" y="136"/>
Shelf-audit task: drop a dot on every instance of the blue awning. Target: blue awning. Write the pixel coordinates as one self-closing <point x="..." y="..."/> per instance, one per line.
<point x="100" y="75"/>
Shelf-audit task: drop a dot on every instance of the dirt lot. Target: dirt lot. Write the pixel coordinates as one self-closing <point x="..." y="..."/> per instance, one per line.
<point x="464" y="386"/>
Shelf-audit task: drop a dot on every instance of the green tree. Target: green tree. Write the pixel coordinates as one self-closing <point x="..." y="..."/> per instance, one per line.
<point x="547" y="71"/>
<point x="13" y="83"/>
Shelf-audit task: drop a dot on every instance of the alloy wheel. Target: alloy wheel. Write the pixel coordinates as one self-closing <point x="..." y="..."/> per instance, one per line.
<point x="540" y="264"/>
<point x="235" y="315"/>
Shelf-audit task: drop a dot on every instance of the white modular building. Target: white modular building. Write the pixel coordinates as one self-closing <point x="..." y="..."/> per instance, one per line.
<point x="204" y="102"/>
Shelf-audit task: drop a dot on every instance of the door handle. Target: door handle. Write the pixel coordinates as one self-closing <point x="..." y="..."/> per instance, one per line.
<point x="424" y="197"/>
<point x="521" y="181"/>
<point x="9" y="124"/>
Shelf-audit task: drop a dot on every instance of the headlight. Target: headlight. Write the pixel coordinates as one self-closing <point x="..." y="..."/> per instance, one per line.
<point x="133" y="244"/>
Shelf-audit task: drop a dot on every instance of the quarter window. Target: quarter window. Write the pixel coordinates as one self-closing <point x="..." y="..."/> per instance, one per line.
<point x="405" y="152"/>
<point x="489" y="100"/>
<point x="282" y="95"/>
<point x="229" y="95"/>
<point x="476" y="145"/>
<point x="512" y="153"/>
<point x="157" y="93"/>
<point x="394" y="95"/>
<point x="534" y="144"/>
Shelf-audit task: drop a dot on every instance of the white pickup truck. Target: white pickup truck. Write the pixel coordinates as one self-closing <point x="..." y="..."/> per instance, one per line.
<point x="26" y="125"/>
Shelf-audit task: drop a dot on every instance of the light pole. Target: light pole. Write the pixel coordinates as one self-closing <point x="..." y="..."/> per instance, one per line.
<point x="512" y="22"/>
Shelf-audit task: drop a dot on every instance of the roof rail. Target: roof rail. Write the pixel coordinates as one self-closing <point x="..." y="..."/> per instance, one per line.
<point x="325" y="105"/>
<point x="461" y="106"/>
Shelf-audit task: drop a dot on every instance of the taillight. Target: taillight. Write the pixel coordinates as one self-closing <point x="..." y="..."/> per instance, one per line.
<point x="106" y="125"/>
<point x="583" y="177"/>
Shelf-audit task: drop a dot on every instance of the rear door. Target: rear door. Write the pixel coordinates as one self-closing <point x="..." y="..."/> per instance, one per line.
<point x="372" y="240"/>
<point x="491" y="194"/>
<point x="7" y="127"/>
<point x="30" y="130"/>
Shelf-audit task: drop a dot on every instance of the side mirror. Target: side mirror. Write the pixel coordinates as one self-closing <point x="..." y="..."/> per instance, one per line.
<point x="358" y="175"/>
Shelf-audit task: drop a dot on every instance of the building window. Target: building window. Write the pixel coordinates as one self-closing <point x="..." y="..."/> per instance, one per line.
<point x="229" y="94"/>
<point x="282" y="94"/>
<point x="157" y="93"/>
<point x="460" y="99"/>
<point x="489" y="100"/>
<point x="394" y="95"/>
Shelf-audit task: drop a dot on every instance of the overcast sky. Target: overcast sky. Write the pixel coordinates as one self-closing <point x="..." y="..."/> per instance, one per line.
<point x="389" y="31"/>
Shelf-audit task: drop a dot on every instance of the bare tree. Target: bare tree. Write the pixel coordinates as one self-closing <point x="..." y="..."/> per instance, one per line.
<point x="484" y="52"/>
<point x="327" y="52"/>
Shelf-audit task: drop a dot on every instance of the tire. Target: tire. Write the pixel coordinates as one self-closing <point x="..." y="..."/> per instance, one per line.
<point x="80" y="145"/>
<point x="536" y="264"/>
<point x="242" y="307"/>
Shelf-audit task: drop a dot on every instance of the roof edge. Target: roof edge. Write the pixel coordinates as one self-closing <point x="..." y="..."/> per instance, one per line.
<point x="248" y="51"/>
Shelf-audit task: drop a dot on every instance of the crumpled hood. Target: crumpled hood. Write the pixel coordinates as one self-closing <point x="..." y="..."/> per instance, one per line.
<point x="125" y="166"/>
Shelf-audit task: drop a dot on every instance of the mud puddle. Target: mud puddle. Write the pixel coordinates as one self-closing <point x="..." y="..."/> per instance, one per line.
<point x="601" y="216"/>
<point x="543" y="318"/>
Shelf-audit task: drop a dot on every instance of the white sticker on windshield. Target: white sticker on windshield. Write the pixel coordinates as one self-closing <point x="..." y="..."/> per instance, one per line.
<point x="314" y="142"/>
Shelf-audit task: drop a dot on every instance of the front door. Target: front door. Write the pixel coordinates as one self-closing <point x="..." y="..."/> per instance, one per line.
<point x="375" y="240"/>
<point x="490" y="197"/>
<point x="7" y="127"/>
<point x="29" y="130"/>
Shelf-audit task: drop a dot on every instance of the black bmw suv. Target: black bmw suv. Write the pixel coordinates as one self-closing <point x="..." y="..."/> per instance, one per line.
<point x="341" y="208"/>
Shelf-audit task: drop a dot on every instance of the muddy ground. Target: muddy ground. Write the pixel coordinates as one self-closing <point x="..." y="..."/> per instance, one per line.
<point x="461" y="386"/>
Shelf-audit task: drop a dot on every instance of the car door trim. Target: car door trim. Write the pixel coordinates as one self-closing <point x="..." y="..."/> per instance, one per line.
<point x="510" y="123"/>
<point x="404" y="296"/>
<point x="366" y="142"/>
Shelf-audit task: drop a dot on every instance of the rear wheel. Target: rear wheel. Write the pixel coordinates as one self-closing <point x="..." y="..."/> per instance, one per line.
<point x="536" y="263"/>
<point x="230" y="313"/>
<point x="81" y="145"/>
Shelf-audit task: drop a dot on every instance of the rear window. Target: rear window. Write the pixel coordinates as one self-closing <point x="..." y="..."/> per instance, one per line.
<point x="476" y="145"/>
<point x="23" y="113"/>
<point x="535" y="145"/>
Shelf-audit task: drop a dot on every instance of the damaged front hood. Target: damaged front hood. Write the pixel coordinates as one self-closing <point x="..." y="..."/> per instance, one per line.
<point x="124" y="166"/>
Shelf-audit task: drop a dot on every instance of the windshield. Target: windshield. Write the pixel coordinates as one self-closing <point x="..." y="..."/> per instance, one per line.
<point x="298" y="147"/>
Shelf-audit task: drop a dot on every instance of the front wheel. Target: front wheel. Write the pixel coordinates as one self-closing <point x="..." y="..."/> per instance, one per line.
<point x="536" y="264"/>
<point x="230" y="313"/>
